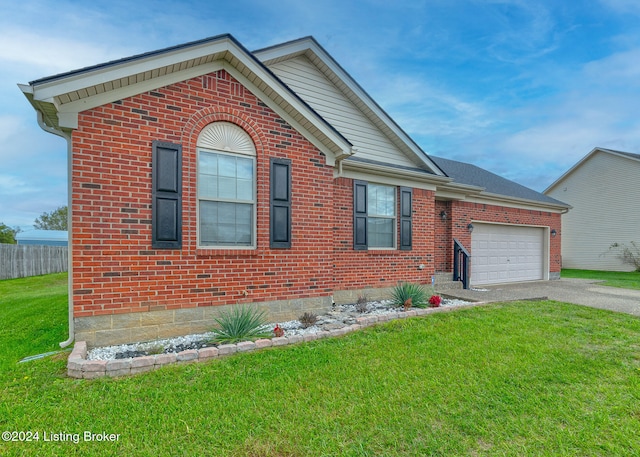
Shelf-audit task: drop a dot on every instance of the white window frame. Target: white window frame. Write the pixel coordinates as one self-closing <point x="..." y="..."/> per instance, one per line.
<point x="394" y="218"/>
<point x="226" y="139"/>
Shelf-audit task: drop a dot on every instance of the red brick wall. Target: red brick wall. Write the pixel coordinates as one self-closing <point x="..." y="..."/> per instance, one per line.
<point x="443" y="242"/>
<point x="115" y="270"/>
<point x="381" y="268"/>
<point x="462" y="213"/>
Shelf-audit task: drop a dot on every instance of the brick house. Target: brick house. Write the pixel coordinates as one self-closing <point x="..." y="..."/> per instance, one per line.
<point x="205" y="175"/>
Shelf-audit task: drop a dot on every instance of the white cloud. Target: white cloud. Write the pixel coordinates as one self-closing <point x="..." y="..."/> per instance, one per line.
<point x="623" y="6"/>
<point x="9" y="124"/>
<point x="49" y="54"/>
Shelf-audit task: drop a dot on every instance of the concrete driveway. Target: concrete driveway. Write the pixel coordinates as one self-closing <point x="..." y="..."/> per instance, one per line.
<point x="585" y="292"/>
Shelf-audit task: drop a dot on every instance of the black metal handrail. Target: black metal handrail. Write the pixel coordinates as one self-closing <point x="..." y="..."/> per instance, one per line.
<point x="461" y="264"/>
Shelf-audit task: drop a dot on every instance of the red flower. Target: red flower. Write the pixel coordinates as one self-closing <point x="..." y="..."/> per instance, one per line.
<point x="435" y="300"/>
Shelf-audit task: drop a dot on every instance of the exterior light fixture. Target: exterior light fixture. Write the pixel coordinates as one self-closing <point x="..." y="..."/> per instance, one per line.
<point x="443" y="215"/>
<point x="470" y="228"/>
<point x="553" y="232"/>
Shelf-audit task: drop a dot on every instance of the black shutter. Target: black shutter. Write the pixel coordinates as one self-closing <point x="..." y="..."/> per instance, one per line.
<point x="406" y="226"/>
<point x="280" y="226"/>
<point x="166" y="208"/>
<point x="360" y="215"/>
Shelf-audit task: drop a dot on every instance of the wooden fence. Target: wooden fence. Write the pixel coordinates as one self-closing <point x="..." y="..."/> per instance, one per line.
<point x="20" y="261"/>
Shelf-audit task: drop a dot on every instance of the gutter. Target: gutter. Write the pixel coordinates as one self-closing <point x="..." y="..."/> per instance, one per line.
<point x="67" y="137"/>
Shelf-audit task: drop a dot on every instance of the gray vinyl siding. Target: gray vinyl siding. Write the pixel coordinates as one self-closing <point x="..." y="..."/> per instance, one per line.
<point x="303" y="77"/>
<point x="605" y="194"/>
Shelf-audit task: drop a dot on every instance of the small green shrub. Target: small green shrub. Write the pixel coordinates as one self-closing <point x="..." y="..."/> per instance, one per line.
<point x="155" y="349"/>
<point x="405" y="291"/>
<point x="308" y="319"/>
<point x="240" y="323"/>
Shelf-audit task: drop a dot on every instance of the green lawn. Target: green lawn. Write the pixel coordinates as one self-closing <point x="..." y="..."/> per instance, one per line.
<point x="517" y="379"/>
<point x="625" y="280"/>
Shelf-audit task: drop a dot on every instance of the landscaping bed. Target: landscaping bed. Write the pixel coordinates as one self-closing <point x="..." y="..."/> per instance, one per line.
<point x="136" y="358"/>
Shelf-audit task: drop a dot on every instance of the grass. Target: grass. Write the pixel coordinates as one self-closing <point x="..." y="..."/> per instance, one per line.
<point x="517" y="379"/>
<point x="622" y="279"/>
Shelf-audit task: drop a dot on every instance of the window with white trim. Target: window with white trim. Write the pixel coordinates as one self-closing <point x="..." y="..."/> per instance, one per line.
<point x="381" y="216"/>
<point x="376" y="220"/>
<point x="226" y="187"/>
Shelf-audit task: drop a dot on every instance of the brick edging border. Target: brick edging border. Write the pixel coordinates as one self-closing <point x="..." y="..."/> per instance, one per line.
<point x="79" y="367"/>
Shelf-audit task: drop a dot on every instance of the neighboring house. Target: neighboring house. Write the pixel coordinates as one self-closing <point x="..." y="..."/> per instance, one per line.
<point x="205" y="175"/>
<point x="603" y="190"/>
<point x="43" y="237"/>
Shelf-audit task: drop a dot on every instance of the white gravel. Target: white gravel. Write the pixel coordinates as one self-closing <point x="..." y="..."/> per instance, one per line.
<point x="290" y="328"/>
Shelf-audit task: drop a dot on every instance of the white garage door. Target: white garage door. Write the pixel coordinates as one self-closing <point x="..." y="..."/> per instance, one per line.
<point x="506" y="253"/>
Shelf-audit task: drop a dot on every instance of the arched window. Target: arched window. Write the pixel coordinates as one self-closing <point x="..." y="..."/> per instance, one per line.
<point x="226" y="187"/>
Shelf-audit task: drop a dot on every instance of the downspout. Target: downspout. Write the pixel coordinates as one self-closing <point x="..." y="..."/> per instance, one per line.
<point x="67" y="137"/>
<point x="340" y="158"/>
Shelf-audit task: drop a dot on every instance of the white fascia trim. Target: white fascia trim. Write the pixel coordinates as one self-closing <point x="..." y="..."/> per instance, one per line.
<point x="48" y="90"/>
<point x="390" y="175"/>
<point x="288" y="49"/>
<point x="510" y="202"/>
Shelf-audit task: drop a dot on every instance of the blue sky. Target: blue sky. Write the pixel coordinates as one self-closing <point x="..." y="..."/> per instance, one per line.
<point x="522" y="88"/>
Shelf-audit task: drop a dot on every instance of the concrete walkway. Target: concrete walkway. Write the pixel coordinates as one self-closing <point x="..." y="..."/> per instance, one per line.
<point x="585" y="292"/>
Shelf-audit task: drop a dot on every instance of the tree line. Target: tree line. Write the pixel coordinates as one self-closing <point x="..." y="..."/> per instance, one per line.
<point x="53" y="220"/>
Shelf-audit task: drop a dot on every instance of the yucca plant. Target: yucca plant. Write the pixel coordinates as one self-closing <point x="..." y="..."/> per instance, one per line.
<point x="406" y="292"/>
<point x="240" y="323"/>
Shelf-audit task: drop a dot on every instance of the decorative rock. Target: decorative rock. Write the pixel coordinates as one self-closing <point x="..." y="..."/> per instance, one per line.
<point x="311" y="337"/>
<point x="118" y="373"/>
<point x="75" y="365"/>
<point x="79" y="350"/>
<point x="94" y="366"/>
<point x="293" y="339"/>
<point x="142" y="362"/>
<point x="119" y="364"/>
<point x="94" y="374"/>
<point x="120" y="367"/>
<point x="334" y="326"/>
<point x="165" y="359"/>
<point x="74" y="374"/>
<point x="246" y="346"/>
<point x="342" y="320"/>
<point x="280" y="341"/>
<point x="187" y="356"/>
<point x="207" y="353"/>
<point x="263" y="343"/>
<point x="143" y="369"/>
<point x="226" y="349"/>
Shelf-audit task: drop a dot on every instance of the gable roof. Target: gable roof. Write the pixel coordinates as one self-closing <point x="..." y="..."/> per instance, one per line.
<point x="628" y="155"/>
<point x="58" y="99"/>
<point x="343" y="81"/>
<point x="489" y="183"/>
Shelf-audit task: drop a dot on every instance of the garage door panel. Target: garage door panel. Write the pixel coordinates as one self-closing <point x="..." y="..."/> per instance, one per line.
<point x="505" y="253"/>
